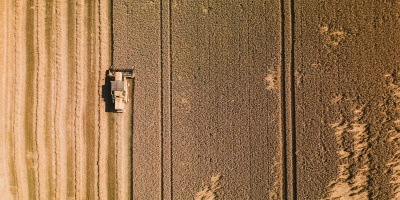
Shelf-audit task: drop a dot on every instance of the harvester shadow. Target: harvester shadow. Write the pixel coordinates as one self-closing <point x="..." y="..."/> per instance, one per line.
<point x="106" y="94"/>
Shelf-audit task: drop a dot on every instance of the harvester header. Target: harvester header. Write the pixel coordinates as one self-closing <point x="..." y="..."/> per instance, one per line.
<point x="126" y="72"/>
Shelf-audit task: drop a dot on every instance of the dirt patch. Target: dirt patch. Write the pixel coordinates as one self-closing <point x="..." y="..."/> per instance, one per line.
<point x="210" y="192"/>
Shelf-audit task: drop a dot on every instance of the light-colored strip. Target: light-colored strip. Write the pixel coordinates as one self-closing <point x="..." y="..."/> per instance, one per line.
<point x="19" y="87"/>
<point x="61" y="74"/>
<point x="81" y="68"/>
<point x="4" y="173"/>
<point x="104" y="55"/>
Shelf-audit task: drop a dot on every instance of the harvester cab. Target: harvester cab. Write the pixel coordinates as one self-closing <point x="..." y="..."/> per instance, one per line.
<point x="119" y="87"/>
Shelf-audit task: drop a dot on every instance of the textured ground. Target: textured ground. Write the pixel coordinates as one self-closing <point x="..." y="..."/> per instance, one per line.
<point x="269" y="99"/>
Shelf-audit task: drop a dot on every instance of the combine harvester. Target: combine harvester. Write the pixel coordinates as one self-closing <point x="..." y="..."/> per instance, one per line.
<point x="119" y="87"/>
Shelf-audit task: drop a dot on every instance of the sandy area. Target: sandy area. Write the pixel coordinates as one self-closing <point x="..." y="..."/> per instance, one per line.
<point x="231" y="100"/>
